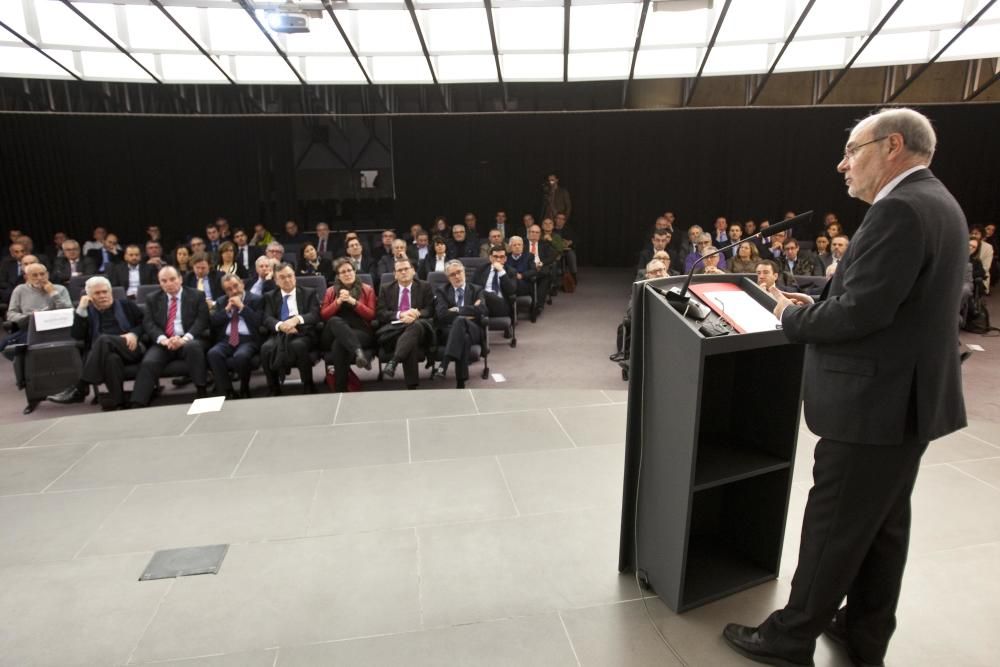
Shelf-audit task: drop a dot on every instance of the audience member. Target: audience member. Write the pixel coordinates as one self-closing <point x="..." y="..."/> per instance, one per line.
<point x="710" y="263"/>
<point x="422" y="246"/>
<point x="54" y="250"/>
<point x="212" y="240"/>
<point x="71" y="263"/>
<point x="387" y="264"/>
<point x="435" y="261"/>
<point x="798" y="264"/>
<point x="11" y="274"/>
<point x="131" y="272"/>
<point x="459" y="309"/>
<point x="262" y="280"/>
<point x="405" y="308"/>
<point x="237" y="319"/>
<point x="555" y="199"/>
<point x="660" y="240"/>
<point x="523" y="265"/>
<point x="181" y="260"/>
<point x="348" y="310"/>
<point x="222" y="224"/>
<point x="527" y="220"/>
<point x="154" y="254"/>
<point x="355" y="252"/>
<point x="821" y="250"/>
<point x="500" y="222"/>
<point x="312" y="264"/>
<point x="767" y="274"/>
<point x="176" y="325"/>
<point x="291" y="315"/>
<point x="720" y="235"/>
<point x="275" y="251"/>
<point x="37" y="292"/>
<point x="246" y="252"/>
<point x="838" y="246"/>
<point x="703" y="241"/>
<point x="735" y="234"/>
<point x="29" y="248"/>
<point x="385" y="250"/>
<point x="292" y="235"/>
<point x="566" y="233"/>
<point x="440" y="228"/>
<point x="261" y="237"/>
<point x="460" y="245"/>
<point x="197" y="245"/>
<point x="324" y="242"/>
<point x="544" y="256"/>
<point x="153" y="233"/>
<point x="471" y="232"/>
<point x="494" y="238"/>
<point x="499" y="281"/>
<point x="97" y="240"/>
<point x="227" y="264"/>
<point x="985" y="254"/>
<point x="205" y="279"/>
<point x="776" y="247"/>
<point x="746" y="258"/>
<point x="111" y="332"/>
<point x="107" y="255"/>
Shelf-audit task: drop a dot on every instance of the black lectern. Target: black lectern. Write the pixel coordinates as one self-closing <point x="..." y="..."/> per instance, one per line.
<point x="710" y="445"/>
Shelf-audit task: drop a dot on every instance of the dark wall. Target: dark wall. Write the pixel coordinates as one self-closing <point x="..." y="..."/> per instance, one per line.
<point x="624" y="169"/>
<point x="74" y="172"/>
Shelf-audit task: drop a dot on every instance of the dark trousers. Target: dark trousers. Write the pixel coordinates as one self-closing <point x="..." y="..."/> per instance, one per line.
<point x="157" y="357"/>
<point x="461" y="336"/>
<point x="297" y="350"/>
<point x="855" y="536"/>
<point x="223" y="357"/>
<point x="344" y="341"/>
<point x="105" y="364"/>
<point x="496" y="304"/>
<point x="409" y="347"/>
<point x="16" y="356"/>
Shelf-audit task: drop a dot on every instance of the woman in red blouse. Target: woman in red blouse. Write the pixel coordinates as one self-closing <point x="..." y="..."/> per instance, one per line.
<point x="348" y="310"/>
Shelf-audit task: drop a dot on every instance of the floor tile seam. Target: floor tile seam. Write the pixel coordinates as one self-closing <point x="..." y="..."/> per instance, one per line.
<point x="569" y="639"/>
<point x="475" y="403"/>
<point x="409" y="443"/>
<point x="311" y="513"/>
<point x="97" y="530"/>
<point x="420" y="578"/>
<point x="149" y="623"/>
<point x="486" y="413"/>
<point x="971" y="476"/>
<point x="246" y="451"/>
<point x="336" y="411"/>
<point x="510" y="493"/>
<point x="33" y="448"/>
<point x="188" y="427"/>
<point x="562" y="428"/>
<point x="71" y="466"/>
<point x="610" y="400"/>
<point x="977" y="438"/>
<point x="922" y="554"/>
<point x="32" y="438"/>
<point x="957" y="461"/>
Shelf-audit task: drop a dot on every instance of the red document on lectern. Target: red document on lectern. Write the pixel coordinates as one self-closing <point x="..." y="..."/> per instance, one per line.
<point x="737" y="307"/>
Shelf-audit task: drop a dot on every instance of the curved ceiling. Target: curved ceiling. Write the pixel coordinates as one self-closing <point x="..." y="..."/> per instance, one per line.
<point x="461" y="41"/>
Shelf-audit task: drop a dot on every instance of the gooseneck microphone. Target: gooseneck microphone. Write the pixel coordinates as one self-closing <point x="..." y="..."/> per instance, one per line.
<point x="679" y="298"/>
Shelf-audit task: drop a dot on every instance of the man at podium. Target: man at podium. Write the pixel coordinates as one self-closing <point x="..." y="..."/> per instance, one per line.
<point x="882" y="343"/>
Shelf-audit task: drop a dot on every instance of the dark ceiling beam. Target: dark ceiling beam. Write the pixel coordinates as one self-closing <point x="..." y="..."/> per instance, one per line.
<point x="350" y="47"/>
<point x="981" y="89"/>
<point x="40" y="50"/>
<point x="110" y="39"/>
<point x="923" y="68"/>
<point x="566" y="10"/>
<point x="784" y="47"/>
<point x="197" y="44"/>
<point x="708" y="52"/>
<point x="857" y="54"/>
<point x="427" y="53"/>
<point x="488" y="4"/>
<point x="245" y="4"/>
<point x="635" y="51"/>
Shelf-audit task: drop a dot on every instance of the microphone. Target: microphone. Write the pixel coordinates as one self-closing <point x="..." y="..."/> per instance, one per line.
<point x="679" y="299"/>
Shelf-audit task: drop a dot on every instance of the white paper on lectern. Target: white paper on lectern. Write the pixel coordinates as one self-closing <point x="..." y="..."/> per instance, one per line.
<point x="47" y="320"/>
<point x="742" y="309"/>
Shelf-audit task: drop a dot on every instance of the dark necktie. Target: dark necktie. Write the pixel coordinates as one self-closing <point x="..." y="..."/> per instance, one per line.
<point x="460" y="297"/>
<point x="496" y="281"/>
<point x="234" y="329"/>
<point x="285" y="311"/>
<point x="171" y="316"/>
<point x="322" y="246"/>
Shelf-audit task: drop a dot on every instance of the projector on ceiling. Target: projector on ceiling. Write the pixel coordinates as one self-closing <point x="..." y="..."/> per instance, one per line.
<point x="288" y="19"/>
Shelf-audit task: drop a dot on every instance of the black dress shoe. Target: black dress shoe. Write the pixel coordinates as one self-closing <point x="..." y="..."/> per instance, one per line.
<point x="67" y="396"/>
<point x="361" y="361"/>
<point x="438" y="372"/>
<point x="389" y="370"/>
<point x="749" y="643"/>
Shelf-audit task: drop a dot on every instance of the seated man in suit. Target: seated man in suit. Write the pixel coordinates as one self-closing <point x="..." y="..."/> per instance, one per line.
<point x="459" y="309"/>
<point x="246" y="254"/>
<point x="388" y="236"/>
<point x="29" y="249"/>
<point x="291" y="316"/>
<point x="111" y="331"/>
<point x="176" y="327"/>
<point x="523" y="264"/>
<point x="262" y="281"/>
<point x="131" y="272"/>
<point x="838" y="246"/>
<point x="798" y="264"/>
<point x="107" y="255"/>
<point x="660" y="240"/>
<point x="499" y="282"/>
<point x="71" y="264"/>
<point x="405" y="307"/>
<point x="460" y="245"/>
<point x="237" y="319"/>
<point x="361" y="261"/>
<point x="205" y="279"/>
<point x="154" y="255"/>
<point x="545" y="260"/>
<point x="494" y="238"/>
<point x="10" y="270"/>
<point x="387" y="263"/>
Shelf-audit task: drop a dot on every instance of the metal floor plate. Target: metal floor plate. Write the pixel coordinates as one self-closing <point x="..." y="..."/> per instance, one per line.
<point x="185" y="562"/>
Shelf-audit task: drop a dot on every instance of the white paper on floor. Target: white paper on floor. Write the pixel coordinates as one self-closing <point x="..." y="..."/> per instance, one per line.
<point x="498" y="377"/>
<point x="210" y="404"/>
<point x="975" y="348"/>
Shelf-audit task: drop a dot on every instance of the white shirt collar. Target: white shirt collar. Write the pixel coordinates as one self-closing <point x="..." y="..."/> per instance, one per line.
<point x="884" y="192"/>
<point x="284" y="293"/>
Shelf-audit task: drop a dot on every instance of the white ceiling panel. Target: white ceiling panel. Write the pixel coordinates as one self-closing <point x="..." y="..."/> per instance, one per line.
<point x="455" y="69"/>
<point x="58" y="24"/>
<point x="678" y="28"/>
<point x="399" y="69"/>
<point x="835" y="17"/>
<point x="599" y="65"/>
<point x="455" y="30"/>
<point x="979" y="41"/>
<point x="233" y="31"/>
<point x="262" y="69"/>
<point x="116" y="66"/>
<point x="737" y="59"/>
<point x="914" y="14"/>
<point x="332" y="69"/>
<point x="815" y="54"/>
<point x="24" y="61"/>
<point x="150" y="30"/>
<point x="385" y="31"/>
<point x="754" y="20"/>
<point x="323" y="38"/>
<point x="529" y="28"/>
<point x="12" y="14"/>
<point x="667" y="63"/>
<point x="897" y="48"/>
<point x="603" y="26"/>
<point x="532" y="66"/>
<point x="183" y="68"/>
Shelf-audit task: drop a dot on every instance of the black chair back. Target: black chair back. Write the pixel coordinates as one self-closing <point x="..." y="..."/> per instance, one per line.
<point x="317" y="283"/>
<point x="144" y="293"/>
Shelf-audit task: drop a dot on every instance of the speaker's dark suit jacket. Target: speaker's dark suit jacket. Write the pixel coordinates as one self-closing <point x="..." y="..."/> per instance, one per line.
<point x="118" y="274"/>
<point x="308" y="305"/>
<point x="884" y="341"/>
<point x="194" y="314"/>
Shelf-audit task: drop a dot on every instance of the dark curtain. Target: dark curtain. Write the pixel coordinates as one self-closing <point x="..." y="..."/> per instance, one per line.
<point x="72" y="173"/>
<point x="623" y="169"/>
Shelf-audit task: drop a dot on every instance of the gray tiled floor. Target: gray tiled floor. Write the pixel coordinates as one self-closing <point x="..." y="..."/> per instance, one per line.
<point x="420" y="528"/>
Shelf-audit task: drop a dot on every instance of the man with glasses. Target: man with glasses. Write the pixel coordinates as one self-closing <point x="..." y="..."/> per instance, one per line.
<point x="499" y="281"/>
<point x="291" y="314"/>
<point x="883" y="342"/>
<point x="405" y="308"/>
<point x="459" y="309"/>
<point x="704" y="241"/>
<point x="71" y="263"/>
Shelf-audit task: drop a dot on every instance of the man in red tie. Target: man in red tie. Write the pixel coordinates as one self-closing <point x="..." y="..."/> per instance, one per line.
<point x="237" y="317"/>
